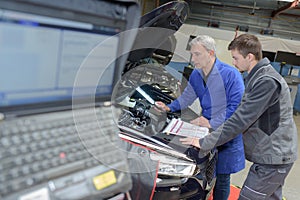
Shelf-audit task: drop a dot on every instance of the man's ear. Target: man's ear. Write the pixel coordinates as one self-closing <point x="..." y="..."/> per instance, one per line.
<point x="211" y="52"/>
<point x="251" y="57"/>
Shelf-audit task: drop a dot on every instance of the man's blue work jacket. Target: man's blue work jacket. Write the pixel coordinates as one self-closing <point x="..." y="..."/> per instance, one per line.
<point x="219" y="97"/>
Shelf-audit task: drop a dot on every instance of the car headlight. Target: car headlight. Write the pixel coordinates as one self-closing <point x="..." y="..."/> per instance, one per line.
<point x="173" y="166"/>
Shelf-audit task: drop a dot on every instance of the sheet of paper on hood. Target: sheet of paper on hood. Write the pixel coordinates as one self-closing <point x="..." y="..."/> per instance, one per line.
<point x="182" y="128"/>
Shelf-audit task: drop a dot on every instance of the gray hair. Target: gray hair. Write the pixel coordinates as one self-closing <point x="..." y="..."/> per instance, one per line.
<point x="206" y="41"/>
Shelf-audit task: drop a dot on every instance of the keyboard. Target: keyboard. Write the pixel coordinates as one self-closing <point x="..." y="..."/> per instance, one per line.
<point x="53" y="150"/>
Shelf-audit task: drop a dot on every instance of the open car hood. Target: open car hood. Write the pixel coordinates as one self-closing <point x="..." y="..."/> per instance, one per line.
<point x="156" y="31"/>
<point x="139" y="122"/>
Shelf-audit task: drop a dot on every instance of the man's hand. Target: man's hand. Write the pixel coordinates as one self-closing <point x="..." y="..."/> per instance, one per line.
<point x="190" y="141"/>
<point x="201" y="121"/>
<point x="160" y="105"/>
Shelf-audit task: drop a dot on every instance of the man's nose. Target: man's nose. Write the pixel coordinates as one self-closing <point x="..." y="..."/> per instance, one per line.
<point x="192" y="58"/>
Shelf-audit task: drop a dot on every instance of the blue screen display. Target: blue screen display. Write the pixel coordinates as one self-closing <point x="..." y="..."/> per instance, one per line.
<point x="44" y="59"/>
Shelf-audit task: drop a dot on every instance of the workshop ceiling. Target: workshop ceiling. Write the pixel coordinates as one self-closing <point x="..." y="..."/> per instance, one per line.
<point x="269" y="17"/>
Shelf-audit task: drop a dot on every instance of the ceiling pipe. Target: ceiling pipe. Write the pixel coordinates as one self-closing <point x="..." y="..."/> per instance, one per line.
<point x="205" y="19"/>
<point x="232" y="5"/>
<point x="288" y="6"/>
<point x="290" y="15"/>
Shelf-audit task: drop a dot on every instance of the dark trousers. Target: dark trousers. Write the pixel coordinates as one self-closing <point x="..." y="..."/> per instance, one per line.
<point x="222" y="187"/>
<point x="265" y="182"/>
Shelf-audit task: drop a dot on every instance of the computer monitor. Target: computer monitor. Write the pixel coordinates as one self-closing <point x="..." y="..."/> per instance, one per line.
<point x="270" y="55"/>
<point x="43" y="48"/>
<point x="296" y="60"/>
<point x="286" y="57"/>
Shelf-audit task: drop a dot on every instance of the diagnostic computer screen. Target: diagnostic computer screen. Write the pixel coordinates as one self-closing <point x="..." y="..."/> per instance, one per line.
<point x="41" y="56"/>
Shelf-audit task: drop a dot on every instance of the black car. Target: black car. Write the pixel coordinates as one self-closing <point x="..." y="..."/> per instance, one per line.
<point x="161" y="166"/>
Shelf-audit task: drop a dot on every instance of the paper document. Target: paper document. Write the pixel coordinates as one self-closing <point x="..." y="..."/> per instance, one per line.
<point x="181" y="128"/>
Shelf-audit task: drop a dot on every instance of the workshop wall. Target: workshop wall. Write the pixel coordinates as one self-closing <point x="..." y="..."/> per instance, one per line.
<point x="181" y="56"/>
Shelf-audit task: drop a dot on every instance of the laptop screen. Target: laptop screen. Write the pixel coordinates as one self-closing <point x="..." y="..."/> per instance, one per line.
<point x="41" y="58"/>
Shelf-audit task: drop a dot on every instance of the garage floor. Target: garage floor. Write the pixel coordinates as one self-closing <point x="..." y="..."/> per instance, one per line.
<point x="291" y="190"/>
